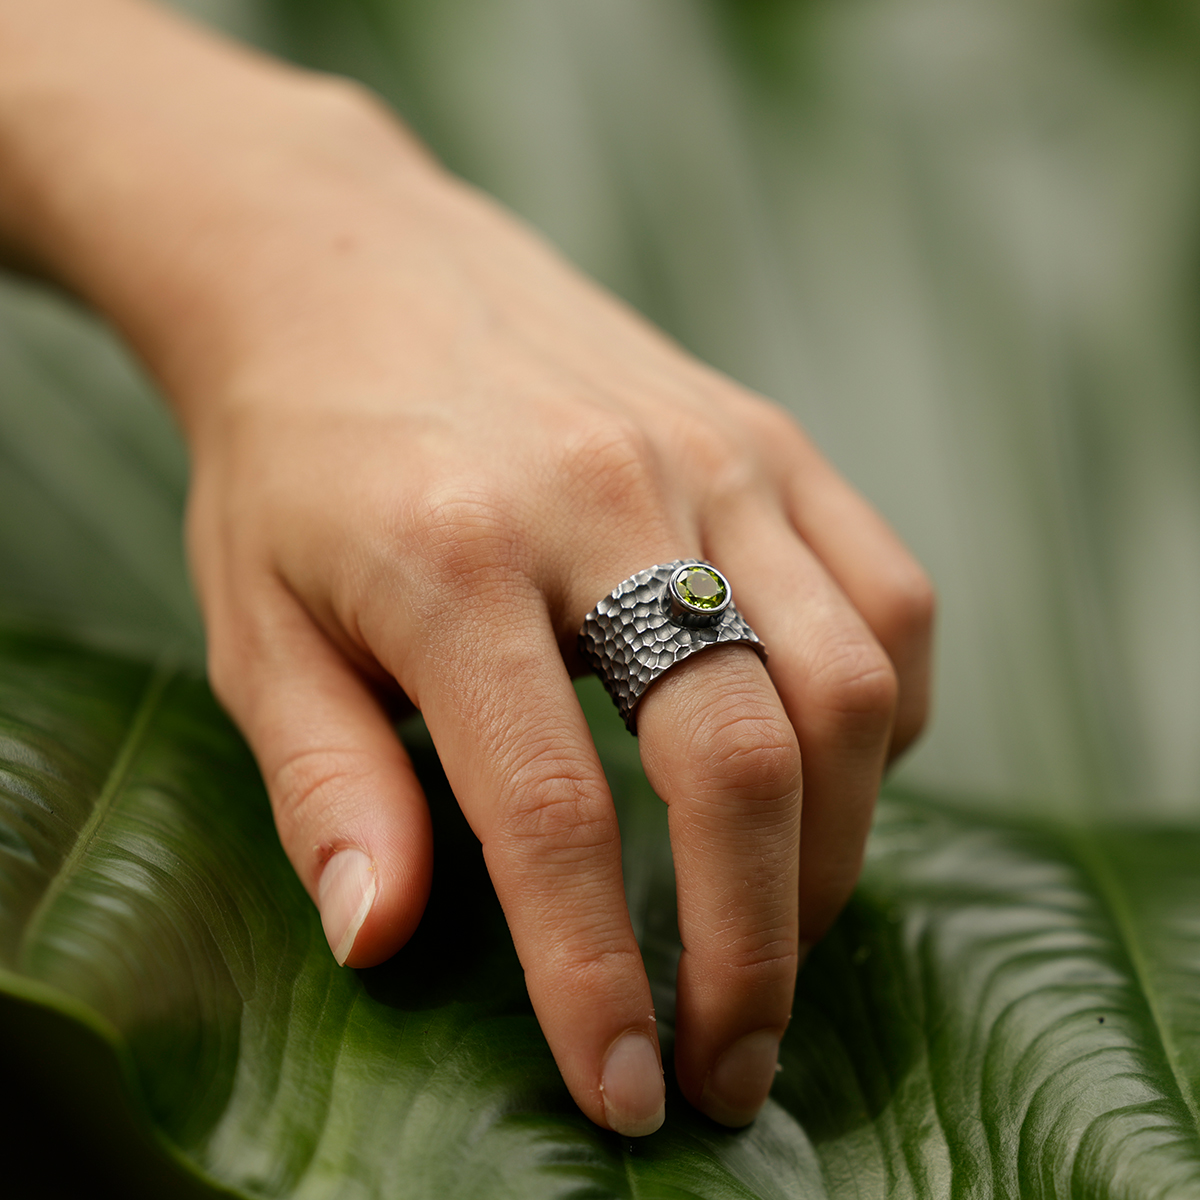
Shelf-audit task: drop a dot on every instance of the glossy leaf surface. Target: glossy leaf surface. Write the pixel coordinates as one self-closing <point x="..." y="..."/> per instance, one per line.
<point x="1005" y="1010"/>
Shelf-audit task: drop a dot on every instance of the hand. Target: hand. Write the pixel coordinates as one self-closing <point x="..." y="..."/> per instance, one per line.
<point x="423" y="448"/>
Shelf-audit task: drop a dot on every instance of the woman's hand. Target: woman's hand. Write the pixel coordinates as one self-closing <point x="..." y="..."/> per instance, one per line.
<point x="423" y="448"/>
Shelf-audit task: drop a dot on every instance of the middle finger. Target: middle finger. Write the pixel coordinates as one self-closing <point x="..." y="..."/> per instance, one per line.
<point x="718" y="748"/>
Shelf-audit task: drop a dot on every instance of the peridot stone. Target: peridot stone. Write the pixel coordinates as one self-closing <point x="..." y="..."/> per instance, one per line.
<point x="701" y="587"/>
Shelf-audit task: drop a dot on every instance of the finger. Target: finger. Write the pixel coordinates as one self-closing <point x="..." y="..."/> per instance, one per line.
<point x="349" y="809"/>
<point x="505" y="719"/>
<point x="720" y="750"/>
<point x="838" y="688"/>
<point x="872" y="567"/>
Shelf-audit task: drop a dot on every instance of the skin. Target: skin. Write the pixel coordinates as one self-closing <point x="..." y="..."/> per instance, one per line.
<point x="423" y="447"/>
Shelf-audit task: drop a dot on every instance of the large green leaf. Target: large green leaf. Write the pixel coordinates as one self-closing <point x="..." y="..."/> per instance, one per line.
<point x="1005" y="1010"/>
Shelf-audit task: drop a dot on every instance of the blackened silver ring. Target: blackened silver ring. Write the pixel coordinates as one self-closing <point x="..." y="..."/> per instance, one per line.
<point x="656" y="619"/>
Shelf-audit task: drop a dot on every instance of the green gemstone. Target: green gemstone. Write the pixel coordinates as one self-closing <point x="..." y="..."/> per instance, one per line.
<point x="701" y="587"/>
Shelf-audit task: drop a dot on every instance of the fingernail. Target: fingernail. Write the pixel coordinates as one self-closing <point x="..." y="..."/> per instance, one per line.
<point x="344" y="896"/>
<point x="632" y="1086"/>
<point x="737" y="1086"/>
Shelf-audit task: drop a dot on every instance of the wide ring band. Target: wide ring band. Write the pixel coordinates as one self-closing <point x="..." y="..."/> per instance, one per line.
<point x="656" y="619"/>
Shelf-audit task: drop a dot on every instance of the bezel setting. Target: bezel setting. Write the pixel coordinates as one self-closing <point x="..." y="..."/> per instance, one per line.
<point x="688" y="605"/>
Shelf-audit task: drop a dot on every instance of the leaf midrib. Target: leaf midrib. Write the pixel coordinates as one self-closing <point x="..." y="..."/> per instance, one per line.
<point x="1092" y="857"/>
<point x="117" y="774"/>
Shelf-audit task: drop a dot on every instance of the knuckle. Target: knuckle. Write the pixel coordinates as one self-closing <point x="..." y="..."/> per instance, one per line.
<point x="588" y="967"/>
<point x="722" y="460"/>
<point x="339" y="107"/>
<point x="335" y="91"/>
<point x="729" y="475"/>
<point x="557" y="814"/>
<point x="309" y="786"/>
<point x="712" y="447"/>
<point x="750" y="750"/>
<point x="614" y="463"/>
<point x="910" y="604"/>
<point x="461" y="538"/>
<point x="762" y="967"/>
<point x="779" y="426"/>
<point x="776" y="433"/>
<point x="856" y="686"/>
<point x="765" y="959"/>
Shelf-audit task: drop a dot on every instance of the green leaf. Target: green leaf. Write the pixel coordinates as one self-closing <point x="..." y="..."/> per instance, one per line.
<point x="1006" y="1009"/>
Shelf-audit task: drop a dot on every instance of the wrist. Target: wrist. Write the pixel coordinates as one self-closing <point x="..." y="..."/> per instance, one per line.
<point x="232" y="266"/>
<point x="177" y="182"/>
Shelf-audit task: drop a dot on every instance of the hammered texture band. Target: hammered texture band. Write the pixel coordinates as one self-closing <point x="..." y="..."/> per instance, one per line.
<point x="656" y="619"/>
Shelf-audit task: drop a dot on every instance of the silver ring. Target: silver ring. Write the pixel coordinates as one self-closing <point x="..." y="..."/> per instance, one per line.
<point x="656" y="619"/>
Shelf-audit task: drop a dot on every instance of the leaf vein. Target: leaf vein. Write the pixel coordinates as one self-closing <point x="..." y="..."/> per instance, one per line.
<point x="1091" y="859"/>
<point x="118" y="773"/>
